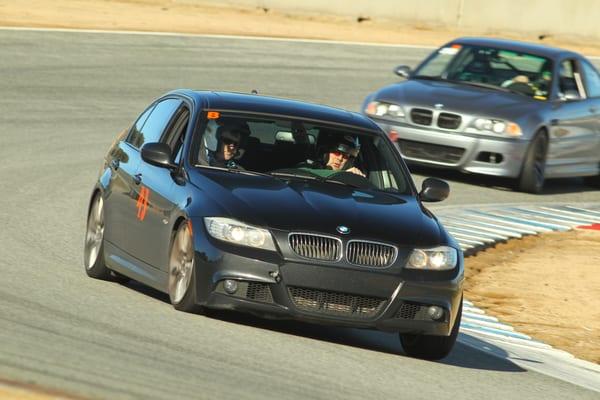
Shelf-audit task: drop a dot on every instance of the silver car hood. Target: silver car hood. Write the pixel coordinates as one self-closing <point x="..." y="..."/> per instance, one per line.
<point x="457" y="98"/>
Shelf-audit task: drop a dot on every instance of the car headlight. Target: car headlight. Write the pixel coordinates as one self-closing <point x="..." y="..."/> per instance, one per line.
<point x="437" y="259"/>
<point x="232" y="231"/>
<point x="379" y="109"/>
<point x="497" y="126"/>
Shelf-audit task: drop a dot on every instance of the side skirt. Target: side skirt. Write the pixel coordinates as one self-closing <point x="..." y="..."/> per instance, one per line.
<point x="126" y="264"/>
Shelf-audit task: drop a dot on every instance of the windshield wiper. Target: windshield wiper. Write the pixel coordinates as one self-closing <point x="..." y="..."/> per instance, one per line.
<point x="290" y="175"/>
<point x="484" y="85"/>
<point x="428" y="78"/>
<point x="235" y="170"/>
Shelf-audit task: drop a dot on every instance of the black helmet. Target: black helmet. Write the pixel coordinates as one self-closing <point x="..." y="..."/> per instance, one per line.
<point x="348" y="145"/>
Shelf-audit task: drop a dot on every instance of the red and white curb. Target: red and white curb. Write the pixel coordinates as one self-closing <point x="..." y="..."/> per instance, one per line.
<point x="477" y="228"/>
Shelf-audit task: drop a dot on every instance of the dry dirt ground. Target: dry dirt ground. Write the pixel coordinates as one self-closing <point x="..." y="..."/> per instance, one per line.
<point x="547" y="286"/>
<point x="210" y="17"/>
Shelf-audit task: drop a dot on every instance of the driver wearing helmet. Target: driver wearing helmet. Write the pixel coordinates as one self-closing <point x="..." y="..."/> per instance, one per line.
<point x="340" y="156"/>
<point x="222" y="145"/>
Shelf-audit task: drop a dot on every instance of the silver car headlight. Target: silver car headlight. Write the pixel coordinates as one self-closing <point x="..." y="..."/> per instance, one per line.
<point x="380" y="109"/>
<point x="236" y="232"/>
<point x="436" y="259"/>
<point x="497" y="126"/>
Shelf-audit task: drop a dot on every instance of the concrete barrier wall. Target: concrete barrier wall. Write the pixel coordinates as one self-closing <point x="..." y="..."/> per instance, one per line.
<point x="564" y="18"/>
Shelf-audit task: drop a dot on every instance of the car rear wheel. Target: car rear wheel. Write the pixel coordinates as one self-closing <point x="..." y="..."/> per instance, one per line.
<point x="93" y="251"/>
<point x="531" y="179"/>
<point x="181" y="286"/>
<point x="431" y="347"/>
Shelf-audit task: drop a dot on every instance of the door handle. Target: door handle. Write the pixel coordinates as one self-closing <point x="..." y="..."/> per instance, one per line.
<point x="593" y="110"/>
<point x="114" y="164"/>
<point x="137" y="179"/>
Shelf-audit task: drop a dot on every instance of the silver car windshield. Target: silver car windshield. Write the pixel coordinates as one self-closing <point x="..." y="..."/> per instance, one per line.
<point x="300" y="150"/>
<point x="494" y="68"/>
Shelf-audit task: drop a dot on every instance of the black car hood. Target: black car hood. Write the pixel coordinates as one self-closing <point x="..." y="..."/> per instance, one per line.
<point x="312" y="206"/>
<point x="456" y="97"/>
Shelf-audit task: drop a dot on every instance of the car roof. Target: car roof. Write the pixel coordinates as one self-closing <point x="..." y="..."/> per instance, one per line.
<point x="514" y="45"/>
<point x="254" y="103"/>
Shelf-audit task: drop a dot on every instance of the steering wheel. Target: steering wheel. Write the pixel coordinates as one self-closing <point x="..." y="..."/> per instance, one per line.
<point x="351" y="179"/>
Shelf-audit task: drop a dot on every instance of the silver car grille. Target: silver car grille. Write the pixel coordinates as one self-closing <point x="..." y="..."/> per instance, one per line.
<point x="370" y="254"/>
<point x="328" y="248"/>
<point x="316" y="247"/>
<point x="423" y="116"/>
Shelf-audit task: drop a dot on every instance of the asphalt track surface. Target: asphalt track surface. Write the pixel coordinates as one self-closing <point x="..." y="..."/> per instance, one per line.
<point x="64" y="97"/>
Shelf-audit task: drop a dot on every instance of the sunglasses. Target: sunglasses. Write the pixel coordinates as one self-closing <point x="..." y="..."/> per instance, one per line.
<point x="338" y="153"/>
<point x="228" y="142"/>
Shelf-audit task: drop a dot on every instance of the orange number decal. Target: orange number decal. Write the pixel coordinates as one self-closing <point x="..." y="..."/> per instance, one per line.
<point x="142" y="203"/>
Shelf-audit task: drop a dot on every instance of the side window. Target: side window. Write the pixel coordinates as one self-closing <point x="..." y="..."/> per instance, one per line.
<point x="569" y="80"/>
<point x="135" y="137"/>
<point x="175" y="134"/>
<point x="592" y="79"/>
<point x="155" y="124"/>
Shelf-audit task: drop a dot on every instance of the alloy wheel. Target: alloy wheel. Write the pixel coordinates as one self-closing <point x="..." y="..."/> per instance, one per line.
<point x="181" y="264"/>
<point x="94" y="234"/>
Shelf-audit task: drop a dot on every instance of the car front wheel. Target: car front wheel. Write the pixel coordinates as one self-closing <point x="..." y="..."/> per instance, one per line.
<point x="531" y="179"/>
<point x="181" y="284"/>
<point x="430" y="347"/>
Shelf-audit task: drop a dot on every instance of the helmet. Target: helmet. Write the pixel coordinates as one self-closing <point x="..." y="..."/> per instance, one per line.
<point x="348" y="145"/>
<point x="216" y="133"/>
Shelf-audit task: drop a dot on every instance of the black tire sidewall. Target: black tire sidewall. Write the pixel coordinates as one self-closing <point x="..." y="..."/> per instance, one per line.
<point x="188" y="302"/>
<point x="99" y="269"/>
<point x="528" y="181"/>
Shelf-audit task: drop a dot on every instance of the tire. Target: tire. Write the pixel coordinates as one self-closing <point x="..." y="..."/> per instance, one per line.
<point x="430" y="347"/>
<point x="181" y="282"/>
<point x="593" y="181"/>
<point x="93" y="250"/>
<point x="531" y="179"/>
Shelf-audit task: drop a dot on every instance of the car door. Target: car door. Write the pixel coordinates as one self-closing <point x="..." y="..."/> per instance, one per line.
<point x="159" y="190"/>
<point x="573" y="126"/>
<point x="120" y="197"/>
<point x="591" y="79"/>
<point x="126" y="211"/>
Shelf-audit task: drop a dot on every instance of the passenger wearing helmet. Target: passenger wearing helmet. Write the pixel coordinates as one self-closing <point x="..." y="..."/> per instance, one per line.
<point x="340" y="156"/>
<point x="222" y="145"/>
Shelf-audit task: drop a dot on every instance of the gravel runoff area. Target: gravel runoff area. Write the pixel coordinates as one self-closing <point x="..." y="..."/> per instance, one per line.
<point x="546" y="286"/>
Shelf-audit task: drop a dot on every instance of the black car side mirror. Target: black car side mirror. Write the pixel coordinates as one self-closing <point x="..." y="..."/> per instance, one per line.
<point x="433" y="190"/>
<point x="158" y="154"/>
<point x="403" y="71"/>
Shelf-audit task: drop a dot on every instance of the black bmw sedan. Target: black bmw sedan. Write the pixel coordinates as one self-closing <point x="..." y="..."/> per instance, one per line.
<point x="278" y="208"/>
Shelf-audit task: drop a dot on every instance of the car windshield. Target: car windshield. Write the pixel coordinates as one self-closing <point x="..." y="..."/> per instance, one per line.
<point x="493" y="68"/>
<point x="292" y="150"/>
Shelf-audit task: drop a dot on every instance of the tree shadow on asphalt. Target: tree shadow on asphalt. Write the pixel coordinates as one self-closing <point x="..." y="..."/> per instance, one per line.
<point x="551" y="186"/>
<point x="493" y="358"/>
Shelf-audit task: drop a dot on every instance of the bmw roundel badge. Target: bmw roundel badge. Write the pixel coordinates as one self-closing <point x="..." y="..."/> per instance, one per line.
<point x="344" y="230"/>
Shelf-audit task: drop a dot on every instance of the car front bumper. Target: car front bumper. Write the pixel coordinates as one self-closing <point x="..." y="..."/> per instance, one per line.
<point x="326" y="294"/>
<point x="454" y="150"/>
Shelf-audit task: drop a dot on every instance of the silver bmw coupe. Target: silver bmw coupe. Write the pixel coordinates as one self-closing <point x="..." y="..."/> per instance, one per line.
<point x="496" y="107"/>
